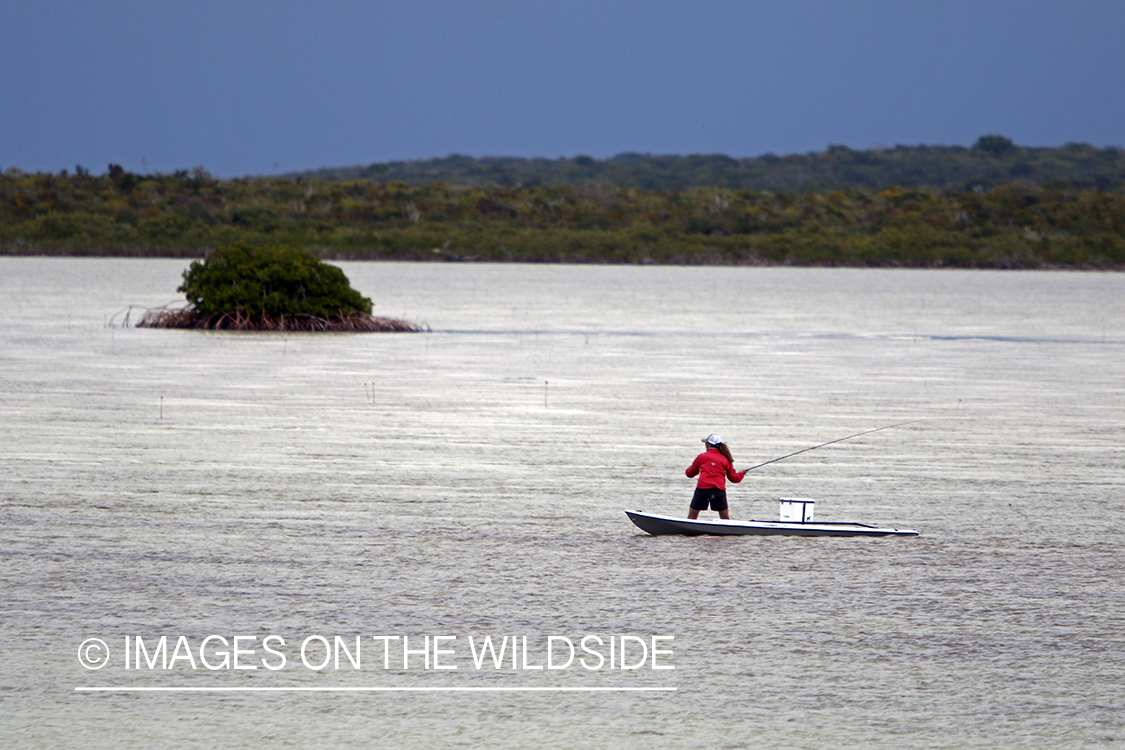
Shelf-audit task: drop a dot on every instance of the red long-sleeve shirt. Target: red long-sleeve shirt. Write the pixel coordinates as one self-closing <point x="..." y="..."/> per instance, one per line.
<point x="714" y="469"/>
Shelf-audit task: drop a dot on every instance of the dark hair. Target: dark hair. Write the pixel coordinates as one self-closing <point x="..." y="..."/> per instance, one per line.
<point x="722" y="448"/>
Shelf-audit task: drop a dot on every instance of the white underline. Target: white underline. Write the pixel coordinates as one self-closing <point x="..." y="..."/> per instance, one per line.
<point x="291" y="689"/>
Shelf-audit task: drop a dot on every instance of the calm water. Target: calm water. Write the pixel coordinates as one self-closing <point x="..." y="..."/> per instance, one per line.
<point x="471" y="481"/>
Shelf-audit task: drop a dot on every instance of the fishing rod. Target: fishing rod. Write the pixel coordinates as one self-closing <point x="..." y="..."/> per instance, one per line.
<point x="830" y="442"/>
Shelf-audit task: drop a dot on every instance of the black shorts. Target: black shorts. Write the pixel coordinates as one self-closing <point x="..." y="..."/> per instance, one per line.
<point x="709" y="495"/>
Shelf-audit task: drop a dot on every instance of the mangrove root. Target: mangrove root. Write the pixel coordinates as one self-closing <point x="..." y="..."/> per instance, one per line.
<point x="359" y="322"/>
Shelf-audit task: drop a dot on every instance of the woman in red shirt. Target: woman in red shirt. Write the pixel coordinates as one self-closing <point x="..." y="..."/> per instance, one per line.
<point x="713" y="467"/>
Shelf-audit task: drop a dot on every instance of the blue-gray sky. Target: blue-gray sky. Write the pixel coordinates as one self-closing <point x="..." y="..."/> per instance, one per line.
<point x="264" y="87"/>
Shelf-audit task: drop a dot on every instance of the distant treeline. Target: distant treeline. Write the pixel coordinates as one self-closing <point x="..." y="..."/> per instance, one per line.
<point x="991" y="162"/>
<point x="1061" y="223"/>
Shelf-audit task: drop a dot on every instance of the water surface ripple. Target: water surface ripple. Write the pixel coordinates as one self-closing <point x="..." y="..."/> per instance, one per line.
<point x="471" y="481"/>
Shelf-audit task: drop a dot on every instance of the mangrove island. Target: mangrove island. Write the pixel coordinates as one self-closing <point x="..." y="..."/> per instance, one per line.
<point x="246" y="288"/>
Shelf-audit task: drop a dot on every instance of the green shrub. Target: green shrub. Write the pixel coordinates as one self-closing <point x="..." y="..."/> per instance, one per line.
<point x="269" y="282"/>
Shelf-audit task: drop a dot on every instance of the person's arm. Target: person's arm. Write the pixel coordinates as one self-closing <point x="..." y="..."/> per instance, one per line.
<point x="693" y="470"/>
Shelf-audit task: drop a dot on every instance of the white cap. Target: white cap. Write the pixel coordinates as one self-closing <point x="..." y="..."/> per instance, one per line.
<point x="712" y="439"/>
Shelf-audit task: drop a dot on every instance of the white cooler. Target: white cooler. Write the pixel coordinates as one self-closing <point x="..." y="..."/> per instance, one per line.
<point x="796" y="510"/>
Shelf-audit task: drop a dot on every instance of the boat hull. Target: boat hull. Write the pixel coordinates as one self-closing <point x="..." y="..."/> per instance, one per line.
<point x="664" y="525"/>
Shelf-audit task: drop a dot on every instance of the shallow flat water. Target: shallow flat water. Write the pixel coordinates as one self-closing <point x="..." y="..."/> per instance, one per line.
<point x="471" y="481"/>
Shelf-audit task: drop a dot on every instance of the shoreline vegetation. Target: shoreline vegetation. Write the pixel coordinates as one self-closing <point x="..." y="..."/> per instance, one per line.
<point x="994" y="205"/>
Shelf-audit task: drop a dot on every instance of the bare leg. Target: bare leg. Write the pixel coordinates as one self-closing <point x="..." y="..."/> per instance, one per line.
<point x="724" y="514"/>
<point x="692" y="513"/>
